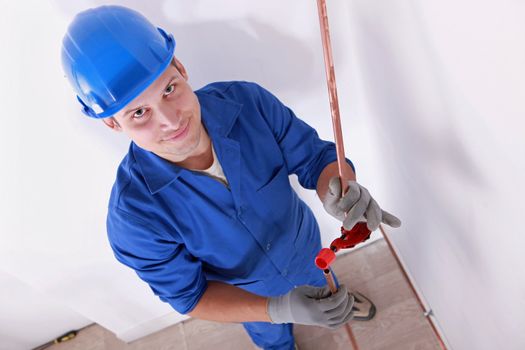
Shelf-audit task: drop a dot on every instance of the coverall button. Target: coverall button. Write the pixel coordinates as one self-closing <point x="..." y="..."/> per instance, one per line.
<point x="268" y="246"/>
<point x="285" y="272"/>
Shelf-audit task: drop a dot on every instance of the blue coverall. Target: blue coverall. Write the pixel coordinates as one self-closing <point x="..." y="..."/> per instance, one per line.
<point x="179" y="228"/>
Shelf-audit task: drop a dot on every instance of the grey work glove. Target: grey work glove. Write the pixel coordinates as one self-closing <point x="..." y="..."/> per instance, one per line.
<point x="312" y="306"/>
<point x="357" y="204"/>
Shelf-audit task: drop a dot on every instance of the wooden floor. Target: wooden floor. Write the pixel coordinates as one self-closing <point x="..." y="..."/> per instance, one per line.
<point x="398" y="325"/>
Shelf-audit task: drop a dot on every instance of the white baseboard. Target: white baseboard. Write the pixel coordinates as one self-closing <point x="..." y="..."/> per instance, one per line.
<point x="151" y="326"/>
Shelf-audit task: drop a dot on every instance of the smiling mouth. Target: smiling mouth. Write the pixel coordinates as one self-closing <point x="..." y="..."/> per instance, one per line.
<point x="179" y="134"/>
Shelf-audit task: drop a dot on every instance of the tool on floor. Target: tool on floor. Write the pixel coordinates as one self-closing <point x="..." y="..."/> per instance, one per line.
<point x="63" y="338"/>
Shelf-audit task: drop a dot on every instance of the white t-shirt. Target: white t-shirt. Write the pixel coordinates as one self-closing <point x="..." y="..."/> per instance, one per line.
<point x="215" y="170"/>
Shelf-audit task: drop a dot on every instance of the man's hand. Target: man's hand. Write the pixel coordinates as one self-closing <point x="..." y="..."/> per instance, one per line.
<point x="312" y="306"/>
<point x="357" y="204"/>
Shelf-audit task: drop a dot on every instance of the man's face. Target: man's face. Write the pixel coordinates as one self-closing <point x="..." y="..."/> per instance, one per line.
<point x="164" y="119"/>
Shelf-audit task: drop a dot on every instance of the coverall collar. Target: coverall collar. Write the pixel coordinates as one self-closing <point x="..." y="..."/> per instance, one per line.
<point x="218" y="116"/>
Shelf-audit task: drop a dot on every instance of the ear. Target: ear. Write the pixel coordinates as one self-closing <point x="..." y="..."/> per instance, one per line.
<point x="112" y="123"/>
<point x="180" y="68"/>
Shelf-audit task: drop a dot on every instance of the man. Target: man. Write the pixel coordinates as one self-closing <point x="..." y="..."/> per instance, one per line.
<point x="202" y="208"/>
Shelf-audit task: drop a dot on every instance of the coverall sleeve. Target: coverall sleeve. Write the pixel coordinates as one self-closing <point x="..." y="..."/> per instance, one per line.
<point x="172" y="273"/>
<point x="305" y="154"/>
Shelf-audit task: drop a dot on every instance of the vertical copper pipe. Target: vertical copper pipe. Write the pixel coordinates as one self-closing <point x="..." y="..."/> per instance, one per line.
<point x="330" y="280"/>
<point x="351" y="336"/>
<point x="333" y="288"/>
<point x="336" y="125"/>
<point x="332" y="94"/>
<point x="343" y="173"/>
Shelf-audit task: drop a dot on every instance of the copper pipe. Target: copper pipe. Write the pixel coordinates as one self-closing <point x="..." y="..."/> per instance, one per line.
<point x="336" y="125"/>
<point x="412" y="288"/>
<point x="341" y="161"/>
<point x="332" y="94"/>
<point x="333" y="288"/>
<point x="351" y="336"/>
<point x="330" y="280"/>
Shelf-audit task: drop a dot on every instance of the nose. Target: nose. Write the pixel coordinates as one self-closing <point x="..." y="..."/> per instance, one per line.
<point x="168" y="117"/>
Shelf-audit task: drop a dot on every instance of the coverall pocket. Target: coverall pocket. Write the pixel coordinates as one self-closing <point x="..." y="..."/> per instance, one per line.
<point x="275" y="174"/>
<point x="274" y="202"/>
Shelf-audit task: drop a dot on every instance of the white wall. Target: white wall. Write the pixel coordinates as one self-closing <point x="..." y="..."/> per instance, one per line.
<point x="62" y="164"/>
<point x="430" y="94"/>
<point x="444" y="88"/>
<point x="29" y="318"/>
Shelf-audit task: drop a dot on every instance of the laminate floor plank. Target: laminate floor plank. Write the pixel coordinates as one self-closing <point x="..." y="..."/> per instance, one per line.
<point x="371" y="270"/>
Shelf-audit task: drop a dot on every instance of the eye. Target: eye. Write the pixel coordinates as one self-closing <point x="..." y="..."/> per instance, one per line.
<point x="139" y="113"/>
<point x="169" y="89"/>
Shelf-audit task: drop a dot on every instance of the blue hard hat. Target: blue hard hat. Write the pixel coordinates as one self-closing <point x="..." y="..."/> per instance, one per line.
<point x="111" y="54"/>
